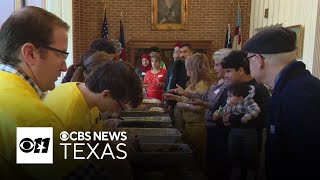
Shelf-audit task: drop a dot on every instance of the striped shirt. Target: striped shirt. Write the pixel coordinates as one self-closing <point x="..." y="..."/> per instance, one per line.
<point x="247" y="106"/>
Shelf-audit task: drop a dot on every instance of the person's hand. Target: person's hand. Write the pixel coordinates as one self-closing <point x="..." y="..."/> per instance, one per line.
<point x="145" y="85"/>
<point x="180" y="105"/>
<point x="225" y="117"/>
<point x="244" y="121"/>
<point x="197" y="102"/>
<point x="179" y="90"/>
<point x="110" y="124"/>
<point x="169" y="96"/>
<point x="215" y="116"/>
<point x="159" y="85"/>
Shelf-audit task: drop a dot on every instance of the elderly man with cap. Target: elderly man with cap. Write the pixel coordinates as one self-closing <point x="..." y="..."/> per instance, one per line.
<point x="292" y="148"/>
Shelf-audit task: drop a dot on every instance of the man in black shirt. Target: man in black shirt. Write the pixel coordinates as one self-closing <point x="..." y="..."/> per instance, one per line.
<point x="245" y="139"/>
<point x="179" y="76"/>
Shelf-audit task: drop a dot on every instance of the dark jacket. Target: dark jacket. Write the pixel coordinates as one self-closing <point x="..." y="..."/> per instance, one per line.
<point x="167" y="82"/>
<point x="179" y="76"/>
<point x="262" y="98"/>
<point x="293" y="131"/>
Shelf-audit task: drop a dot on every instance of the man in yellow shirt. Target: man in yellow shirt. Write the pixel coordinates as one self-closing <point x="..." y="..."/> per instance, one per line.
<point x="33" y="44"/>
<point x="110" y="86"/>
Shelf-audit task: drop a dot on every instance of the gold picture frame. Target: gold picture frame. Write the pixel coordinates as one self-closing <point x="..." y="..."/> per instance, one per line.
<point x="168" y="14"/>
<point x="298" y="29"/>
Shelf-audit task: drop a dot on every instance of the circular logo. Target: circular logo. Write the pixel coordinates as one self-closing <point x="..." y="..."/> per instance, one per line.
<point x="26" y="145"/>
<point x="64" y="136"/>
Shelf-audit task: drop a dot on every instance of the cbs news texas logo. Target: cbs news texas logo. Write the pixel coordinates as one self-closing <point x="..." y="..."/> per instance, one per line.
<point x="34" y="145"/>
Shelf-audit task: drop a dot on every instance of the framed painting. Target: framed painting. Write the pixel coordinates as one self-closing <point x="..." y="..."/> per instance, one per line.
<point x="298" y="29"/>
<point x="168" y="14"/>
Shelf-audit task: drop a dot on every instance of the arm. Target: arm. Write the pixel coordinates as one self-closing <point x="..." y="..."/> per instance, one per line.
<point x="262" y="98"/>
<point x="253" y="111"/>
<point x="189" y="107"/>
<point x="199" y="95"/>
<point x="217" y="91"/>
<point x="221" y="101"/>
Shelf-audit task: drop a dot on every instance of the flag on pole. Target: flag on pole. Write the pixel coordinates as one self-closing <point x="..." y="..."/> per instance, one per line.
<point x="105" y="26"/>
<point x="237" y="39"/>
<point x="227" y="42"/>
<point x="23" y="3"/>
<point x="122" y="41"/>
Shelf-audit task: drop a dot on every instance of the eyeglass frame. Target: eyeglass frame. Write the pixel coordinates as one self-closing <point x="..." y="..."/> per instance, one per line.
<point x="115" y="117"/>
<point x="65" y="53"/>
<point x="121" y="106"/>
<point x="249" y="57"/>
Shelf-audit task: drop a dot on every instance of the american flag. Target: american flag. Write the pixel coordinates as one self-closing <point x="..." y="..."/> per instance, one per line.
<point x="227" y="42"/>
<point x="105" y="26"/>
<point x="122" y="41"/>
<point x="237" y="39"/>
<point x="23" y="3"/>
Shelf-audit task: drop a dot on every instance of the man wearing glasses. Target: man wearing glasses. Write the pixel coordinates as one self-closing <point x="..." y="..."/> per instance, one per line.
<point x="105" y="89"/>
<point x="292" y="148"/>
<point x="33" y="44"/>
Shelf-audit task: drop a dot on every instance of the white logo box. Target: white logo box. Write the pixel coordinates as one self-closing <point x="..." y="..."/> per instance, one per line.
<point x="31" y="157"/>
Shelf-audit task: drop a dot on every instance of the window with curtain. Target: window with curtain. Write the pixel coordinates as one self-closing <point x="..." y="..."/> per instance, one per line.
<point x="61" y="8"/>
<point x="7" y="7"/>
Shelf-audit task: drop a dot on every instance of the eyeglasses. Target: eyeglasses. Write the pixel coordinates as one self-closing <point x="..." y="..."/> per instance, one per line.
<point x="115" y="116"/>
<point x="121" y="106"/>
<point x="247" y="58"/>
<point x="65" y="53"/>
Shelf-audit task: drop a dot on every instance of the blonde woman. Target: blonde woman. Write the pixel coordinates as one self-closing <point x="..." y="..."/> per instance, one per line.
<point x="216" y="133"/>
<point x="198" y="69"/>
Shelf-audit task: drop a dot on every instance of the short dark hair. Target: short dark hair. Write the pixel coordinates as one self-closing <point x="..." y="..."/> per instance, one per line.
<point x="236" y="60"/>
<point x="91" y="59"/>
<point x="27" y="25"/>
<point x="186" y="45"/>
<point x="103" y="45"/>
<point x="239" y="90"/>
<point x="118" y="77"/>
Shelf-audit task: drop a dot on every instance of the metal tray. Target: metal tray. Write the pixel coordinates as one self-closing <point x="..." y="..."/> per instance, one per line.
<point x="142" y="113"/>
<point x="147" y="122"/>
<point x="163" y="153"/>
<point x="164" y="148"/>
<point x="160" y="161"/>
<point x="153" y="135"/>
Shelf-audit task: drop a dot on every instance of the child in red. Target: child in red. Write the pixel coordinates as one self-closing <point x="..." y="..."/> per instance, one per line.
<point x="154" y="79"/>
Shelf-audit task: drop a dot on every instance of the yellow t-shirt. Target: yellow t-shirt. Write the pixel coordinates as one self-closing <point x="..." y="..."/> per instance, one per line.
<point x="20" y="106"/>
<point x="70" y="106"/>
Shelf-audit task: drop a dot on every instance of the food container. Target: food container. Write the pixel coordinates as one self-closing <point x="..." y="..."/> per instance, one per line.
<point x="147" y="122"/>
<point x="137" y="113"/>
<point x="167" y="152"/>
<point x="166" y="160"/>
<point x="153" y="135"/>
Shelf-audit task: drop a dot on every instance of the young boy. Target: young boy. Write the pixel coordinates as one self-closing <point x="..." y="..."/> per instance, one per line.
<point x="240" y="101"/>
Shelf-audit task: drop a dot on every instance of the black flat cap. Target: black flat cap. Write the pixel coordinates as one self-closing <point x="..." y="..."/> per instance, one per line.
<point x="271" y="41"/>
